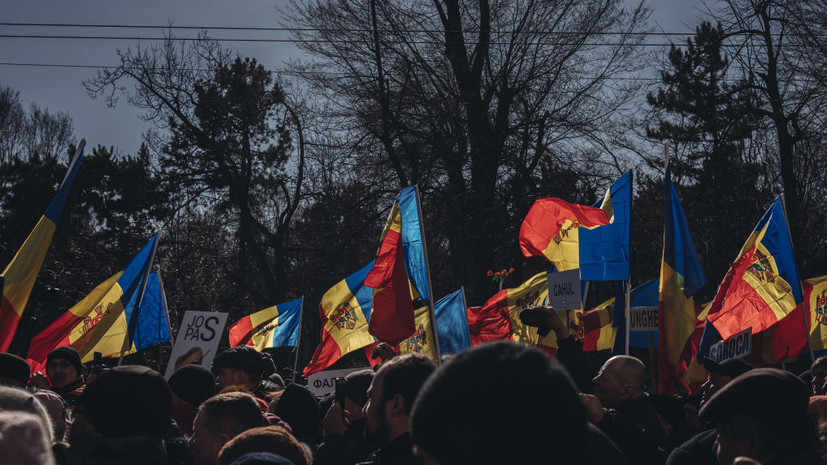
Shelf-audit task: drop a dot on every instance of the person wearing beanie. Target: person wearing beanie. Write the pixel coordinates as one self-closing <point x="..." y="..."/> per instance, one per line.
<point x="65" y="373"/>
<point x="299" y="408"/>
<point x="720" y="374"/>
<point x="191" y="385"/>
<point x="121" y="417"/>
<point x="344" y="441"/>
<point x="762" y="415"/>
<point x="14" y="371"/>
<point x="244" y="367"/>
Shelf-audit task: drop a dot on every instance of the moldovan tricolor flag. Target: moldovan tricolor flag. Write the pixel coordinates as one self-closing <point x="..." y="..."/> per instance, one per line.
<point x="452" y="323"/>
<point x="681" y="276"/>
<point x="596" y="329"/>
<point x="21" y="273"/>
<point x="762" y="286"/>
<point x="593" y="239"/>
<point x="106" y="319"/>
<point x="344" y="312"/>
<point x="276" y="326"/>
<point x="398" y="270"/>
<point x="422" y="340"/>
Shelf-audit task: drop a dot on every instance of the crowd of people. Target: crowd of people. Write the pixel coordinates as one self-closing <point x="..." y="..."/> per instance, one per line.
<point x="492" y="404"/>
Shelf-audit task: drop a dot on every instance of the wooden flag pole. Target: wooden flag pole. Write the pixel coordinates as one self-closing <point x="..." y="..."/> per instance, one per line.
<point x="127" y="341"/>
<point x="428" y="273"/>
<point x="800" y="287"/>
<point x="298" y="339"/>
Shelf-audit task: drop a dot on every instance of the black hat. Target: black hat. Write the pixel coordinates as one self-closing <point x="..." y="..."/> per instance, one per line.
<point x="14" y="368"/>
<point x="193" y="383"/>
<point x="766" y="393"/>
<point x="129" y="400"/>
<point x="67" y="353"/>
<point x="241" y="358"/>
<point x="732" y="368"/>
<point x="356" y="385"/>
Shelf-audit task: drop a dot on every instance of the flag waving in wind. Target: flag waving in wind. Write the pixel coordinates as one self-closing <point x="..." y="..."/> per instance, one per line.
<point x="21" y="273"/>
<point x="762" y="286"/>
<point x="594" y="239"/>
<point x="681" y="276"/>
<point x="276" y="326"/>
<point x="398" y="270"/>
<point x="104" y="321"/>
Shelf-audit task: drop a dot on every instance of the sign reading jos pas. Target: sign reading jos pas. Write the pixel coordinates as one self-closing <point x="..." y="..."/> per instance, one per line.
<point x="564" y="290"/>
<point x="197" y="340"/>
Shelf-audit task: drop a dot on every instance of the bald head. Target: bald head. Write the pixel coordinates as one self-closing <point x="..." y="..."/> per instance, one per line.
<point x="621" y="378"/>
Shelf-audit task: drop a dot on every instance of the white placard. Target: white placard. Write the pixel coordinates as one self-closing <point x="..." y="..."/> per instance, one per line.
<point x="564" y="290"/>
<point x="738" y="346"/>
<point x="197" y="340"/>
<point x="643" y="319"/>
<point x="323" y="383"/>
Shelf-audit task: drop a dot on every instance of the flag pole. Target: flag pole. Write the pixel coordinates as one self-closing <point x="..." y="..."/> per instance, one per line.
<point x="428" y="273"/>
<point x="800" y="287"/>
<point x="628" y="298"/>
<point x="127" y="341"/>
<point x="465" y="306"/>
<point x="298" y="339"/>
<point x="166" y="312"/>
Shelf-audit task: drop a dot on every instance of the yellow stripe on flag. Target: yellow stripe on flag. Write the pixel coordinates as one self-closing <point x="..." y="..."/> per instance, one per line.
<point x="21" y="272"/>
<point x="422" y="341"/>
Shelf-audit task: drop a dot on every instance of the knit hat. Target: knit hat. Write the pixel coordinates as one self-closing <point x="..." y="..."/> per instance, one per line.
<point x="129" y="400"/>
<point x="67" y="353"/>
<point x="357" y="384"/>
<point x="241" y="358"/>
<point x="767" y="393"/>
<point x="14" y="368"/>
<point x="193" y="383"/>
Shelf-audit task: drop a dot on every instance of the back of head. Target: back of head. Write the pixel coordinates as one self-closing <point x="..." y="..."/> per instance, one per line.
<point x="193" y="383"/>
<point x="24" y="440"/>
<point x="405" y="375"/>
<point x="231" y="413"/>
<point x="56" y="409"/>
<point x="357" y="384"/>
<point x="129" y="400"/>
<point x="500" y="403"/>
<point x="771" y="403"/>
<point x="16" y="400"/>
<point x="14" y="370"/>
<point x="273" y="439"/>
<point x="299" y="408"/>
<point x="241" y="358"/>
<point x="261" y="458"/>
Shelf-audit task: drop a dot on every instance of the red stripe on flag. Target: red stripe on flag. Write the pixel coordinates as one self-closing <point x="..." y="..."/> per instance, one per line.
<point x="326" y="354"/>
<point x="9" y="320"/>
<point x="491" y="322"/>
<point x="54" y="336"/>
<point x="545" y="218"/>
<point x="392" y="316"/>
<point x="241" y="332"/>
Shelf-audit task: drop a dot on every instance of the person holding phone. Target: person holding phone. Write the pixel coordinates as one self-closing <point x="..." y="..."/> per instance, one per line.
<point x="344" y="423"/>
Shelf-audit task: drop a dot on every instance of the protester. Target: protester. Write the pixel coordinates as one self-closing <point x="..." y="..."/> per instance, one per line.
<point x="818" y="411"/>
<point x="56" y="409"/>
<point x="243" y="366"/>
<point x="219" y="419"/>
<point x="299" y="408"/>
<point x="24" y="440"/>
<point x="344" y="441"/>
<point x="763" y="415"/>
<point x="261" y="458"/>
<point x="274" y="439"/>
<point x="14" y="371"/>
<point x="700" y="449"/>
<point x="191" y="385"/>
<point x="621" y="408"/>
<point x="16" y="400"/>
<point x="390" y="399"/>
<point x="121" y="418"/>
<point x="65" y="374"/>
<point x="503" y="403"/>
<point x="818" y="370"/>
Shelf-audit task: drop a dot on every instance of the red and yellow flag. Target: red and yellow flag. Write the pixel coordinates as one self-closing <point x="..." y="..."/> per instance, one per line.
<point x="21" y="273"/>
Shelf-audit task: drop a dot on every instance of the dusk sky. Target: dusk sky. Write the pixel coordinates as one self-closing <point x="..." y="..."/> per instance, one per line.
<point x="60" y="89"/>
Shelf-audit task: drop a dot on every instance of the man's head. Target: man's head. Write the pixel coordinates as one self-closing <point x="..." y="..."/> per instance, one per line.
<point x="391" y="396"/>
<point x="620" y="379"/>
<point x="499" y="403"/>
<point x="219" y="419"/>
<point x="191" y="385"/>
<point x="720" y="374"/>
<point x="272" y="438"/>
<point x="63" y="366"/>
<point x="129" y="400"/>
<point x="819" y="373"/>
<point x="761" y="414"/>
<point x="238" y="366"/>
<point x="14" y="371"/>
<point x="356" y="393"/>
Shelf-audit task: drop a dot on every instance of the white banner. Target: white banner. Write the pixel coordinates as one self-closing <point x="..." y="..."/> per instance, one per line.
<point x="738" y="346"/>
<point x="643" y="319"/>
<point x="197" y="340"/>
<point x="323" y="383"/>
<point x="564" y="290"/>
